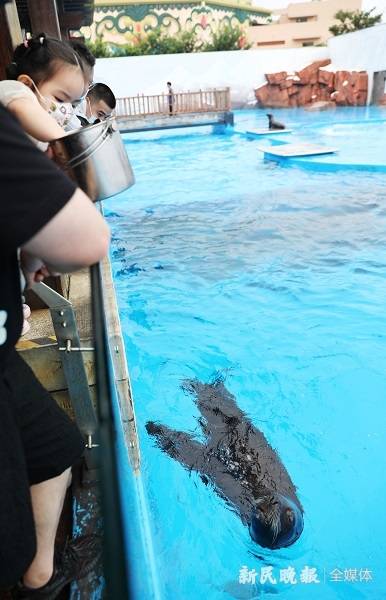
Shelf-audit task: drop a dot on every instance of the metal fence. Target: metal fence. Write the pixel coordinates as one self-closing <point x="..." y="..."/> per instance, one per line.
<point x="203" y="101"/>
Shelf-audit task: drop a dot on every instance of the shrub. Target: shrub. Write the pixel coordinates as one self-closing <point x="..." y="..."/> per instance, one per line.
<point x="354" y="20"/>
<point x="159" y="42"/>
<point x="226" y="38"/>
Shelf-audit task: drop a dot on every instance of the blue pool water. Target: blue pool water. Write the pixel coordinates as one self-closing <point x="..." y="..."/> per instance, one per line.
<point x="276" y="277"/>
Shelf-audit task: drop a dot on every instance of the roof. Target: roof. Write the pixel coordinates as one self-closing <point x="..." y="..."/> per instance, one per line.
<point x="262" y="12"/>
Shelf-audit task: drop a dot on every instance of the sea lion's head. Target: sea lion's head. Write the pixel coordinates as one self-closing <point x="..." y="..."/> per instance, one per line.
<point x="270" y="116"/>
<point x="276" y="522"/>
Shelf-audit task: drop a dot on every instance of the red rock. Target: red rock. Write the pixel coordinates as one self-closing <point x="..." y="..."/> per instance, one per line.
<point x="313" y="85"/>
<point x="272" y="96"/>
<point x="350" y="96"/>
<point x="276" y="78"/>
<point x="326" y="78"/>
<point x="311" y="72"/>
<point x="362" y="82"/>
<point x="321" y="105"/>
<point x="354" y="78"/>
<point x="339" y="98"/>
<point x="304" y="95"/>
<point x="292" y="90"/>
<point x="361" y="98"/>
<point x="340" y="78"/>
<point x="286" y="84"/>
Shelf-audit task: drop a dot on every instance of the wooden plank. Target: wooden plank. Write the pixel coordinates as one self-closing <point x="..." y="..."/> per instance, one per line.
<point x="43" y="15"/>
<point x="10" y="35"/>
<point x="293" y="150"/>
<point x="121" y="375"/>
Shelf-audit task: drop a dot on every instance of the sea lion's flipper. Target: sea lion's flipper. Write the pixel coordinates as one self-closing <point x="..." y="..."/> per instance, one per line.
<point x="214" y="401"/>
<point x="178" y="445"/>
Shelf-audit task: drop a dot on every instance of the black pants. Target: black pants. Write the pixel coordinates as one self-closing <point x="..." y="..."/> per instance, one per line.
<point x="38" y="441"/>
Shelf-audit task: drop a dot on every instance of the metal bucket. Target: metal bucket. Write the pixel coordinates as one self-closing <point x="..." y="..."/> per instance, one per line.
<point x="95" y="158"/>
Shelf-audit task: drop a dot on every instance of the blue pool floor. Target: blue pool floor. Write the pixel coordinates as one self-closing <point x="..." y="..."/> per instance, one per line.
<point x="275" y="277"/>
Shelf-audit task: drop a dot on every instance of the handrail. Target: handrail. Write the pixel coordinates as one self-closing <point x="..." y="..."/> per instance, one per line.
<point x="114" y="547"/>
<point x="201" y="101"/>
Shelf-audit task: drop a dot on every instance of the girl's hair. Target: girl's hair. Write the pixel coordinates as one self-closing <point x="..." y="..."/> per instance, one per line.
<point x="40" y="57"/>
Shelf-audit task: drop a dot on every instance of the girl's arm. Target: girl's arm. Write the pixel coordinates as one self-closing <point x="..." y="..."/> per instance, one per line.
<point x="35" y="120"/>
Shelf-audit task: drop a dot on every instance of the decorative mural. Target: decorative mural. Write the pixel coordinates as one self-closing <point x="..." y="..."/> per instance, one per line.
<point x="123" y="23"/>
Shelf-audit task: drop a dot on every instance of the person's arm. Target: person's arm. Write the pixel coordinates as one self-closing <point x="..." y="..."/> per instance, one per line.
<point x="35" y="120"/>
<point x="77" y="236"/>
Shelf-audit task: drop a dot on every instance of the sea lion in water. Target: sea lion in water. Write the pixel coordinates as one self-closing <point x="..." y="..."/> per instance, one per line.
<point x="272" y="124"/>
<point x="242" y="466"/>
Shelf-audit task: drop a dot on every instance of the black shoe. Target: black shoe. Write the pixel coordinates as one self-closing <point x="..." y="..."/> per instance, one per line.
<point x="78" y="558"/>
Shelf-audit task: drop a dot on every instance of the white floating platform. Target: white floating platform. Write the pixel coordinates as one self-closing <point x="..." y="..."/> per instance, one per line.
<point x="260" y="132"/>
<point x="292" y="150"/>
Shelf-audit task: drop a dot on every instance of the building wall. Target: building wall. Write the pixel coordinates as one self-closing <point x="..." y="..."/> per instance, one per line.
<point x="242" y="71"/>
<point x="122" y="22"/>
<point x="305" y="23"/>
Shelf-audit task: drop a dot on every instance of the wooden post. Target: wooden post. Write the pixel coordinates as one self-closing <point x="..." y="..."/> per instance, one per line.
<point x="43" y="15"/>
<point x="10" y="35"/>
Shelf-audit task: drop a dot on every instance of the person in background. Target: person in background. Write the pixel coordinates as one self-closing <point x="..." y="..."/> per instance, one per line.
<point x="99" y="105"/>
<point x="58" y="229"/>
<point x="170" y="97"/>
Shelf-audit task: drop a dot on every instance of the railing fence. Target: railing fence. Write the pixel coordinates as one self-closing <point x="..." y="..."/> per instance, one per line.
<point x="203" y="101"/>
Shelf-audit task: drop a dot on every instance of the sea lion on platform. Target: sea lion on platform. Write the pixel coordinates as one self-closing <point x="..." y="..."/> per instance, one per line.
<point x="273" y="124"/>
<point x="237" y="459"/>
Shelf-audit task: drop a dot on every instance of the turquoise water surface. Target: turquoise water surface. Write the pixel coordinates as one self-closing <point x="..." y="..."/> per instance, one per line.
<point x="275" y="277"/>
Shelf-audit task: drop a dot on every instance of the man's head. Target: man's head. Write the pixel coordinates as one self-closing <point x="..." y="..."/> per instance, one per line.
<point x="100" y="102"/>
<point x="168" y="83"/>
<point x="87" y="60"/>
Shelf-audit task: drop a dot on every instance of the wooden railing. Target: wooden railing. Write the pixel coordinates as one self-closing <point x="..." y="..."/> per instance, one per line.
<point x="203" y="101"/>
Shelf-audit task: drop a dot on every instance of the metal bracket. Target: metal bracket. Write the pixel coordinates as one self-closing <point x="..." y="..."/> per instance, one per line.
<point x="70" y="348"/>
<point x="66" y="331"/>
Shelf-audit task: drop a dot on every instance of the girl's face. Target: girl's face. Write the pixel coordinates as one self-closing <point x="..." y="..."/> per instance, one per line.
<point x="66" y="85"/>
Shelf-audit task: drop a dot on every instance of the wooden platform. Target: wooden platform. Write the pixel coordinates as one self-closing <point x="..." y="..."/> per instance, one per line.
<point x="294" y="150"/>
<point x="262" y="132"/>
<point x="174" y="121"/>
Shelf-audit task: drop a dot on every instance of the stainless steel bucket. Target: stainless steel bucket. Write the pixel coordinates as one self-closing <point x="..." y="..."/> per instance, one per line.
<point x="95" y="158"/>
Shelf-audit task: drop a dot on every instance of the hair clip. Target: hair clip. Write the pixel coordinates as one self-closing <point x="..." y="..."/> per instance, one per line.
<point x="25" y="43"/>
<point x="41" y="40"/>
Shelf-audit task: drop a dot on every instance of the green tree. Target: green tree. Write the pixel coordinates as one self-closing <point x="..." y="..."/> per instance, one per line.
<point x="100" y="49"/>
<point x="226" y="38"/>
<point x="354" y="20"/>
<point x="159" y="42"/>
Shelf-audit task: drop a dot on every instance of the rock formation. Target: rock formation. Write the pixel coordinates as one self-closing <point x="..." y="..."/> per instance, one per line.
<point x="312" y="84"/>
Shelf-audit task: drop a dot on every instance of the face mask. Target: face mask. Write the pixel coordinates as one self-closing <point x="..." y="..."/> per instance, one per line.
<point x="61" y="112"/>
<point x="81" y="111"/>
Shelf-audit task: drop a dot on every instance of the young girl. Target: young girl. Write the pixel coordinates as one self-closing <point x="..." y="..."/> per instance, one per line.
<point x="43" y="79"/>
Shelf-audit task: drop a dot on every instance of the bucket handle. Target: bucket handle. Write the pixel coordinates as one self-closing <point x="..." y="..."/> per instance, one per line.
<point x="92" y="148"/>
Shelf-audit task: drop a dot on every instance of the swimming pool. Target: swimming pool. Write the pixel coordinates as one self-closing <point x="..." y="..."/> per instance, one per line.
<point x="275" y="277"/>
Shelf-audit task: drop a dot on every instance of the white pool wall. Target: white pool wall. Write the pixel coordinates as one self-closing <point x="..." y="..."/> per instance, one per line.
<point x="242" y="71"/>
<point x="363" y="50"/>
